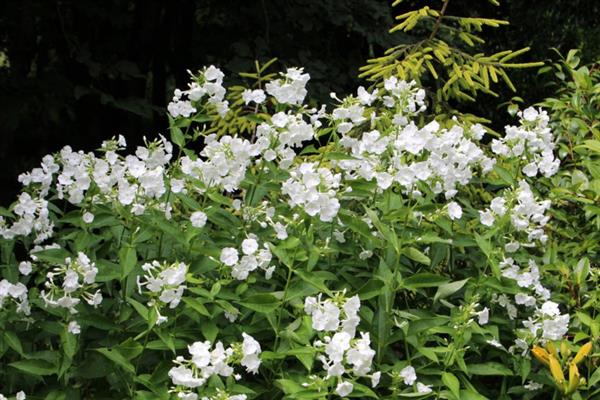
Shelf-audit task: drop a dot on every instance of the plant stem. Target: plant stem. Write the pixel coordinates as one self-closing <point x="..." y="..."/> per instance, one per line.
<point x="436" y="27"/>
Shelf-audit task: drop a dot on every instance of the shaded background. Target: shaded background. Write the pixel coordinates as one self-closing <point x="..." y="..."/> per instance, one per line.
<point x="79" y="71"/>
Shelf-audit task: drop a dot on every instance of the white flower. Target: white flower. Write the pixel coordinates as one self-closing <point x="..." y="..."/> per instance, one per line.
<point x="365" y="254"/>
<point x="344" y="388"/>
<point x="291" y="89"/>
<point x="251" y="351"/>
<point x="486" y="218"/>
<point x="280" y="231"/>
<point x="25" y="267"/>
<point x="375" y="378"/>
<point x="20" y="395"/>
<point x="422" y="388"/>
<point x="88" y="217"/>
<point x="483" y="316"/>
<point x="249" y="246"/>
<point x="555" y="329"/>
<point x="257" y="96"/>
<point x="531" y="385"/>
<point x="454" y="210"/>
<point x="185" y="377"/>
<point x="229" y="256"/>
<point x="365" y="97"/>
<point x="409" y="375"/>
<point x="550" y="308"/>
<point x="74" y="328"/>
<point x="498" y="205"/>
<point x="198" y="219"/>
<point x="530" y="114"/>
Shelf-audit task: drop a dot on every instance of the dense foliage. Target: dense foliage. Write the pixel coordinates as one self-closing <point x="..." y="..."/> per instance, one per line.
<point x="278" y="244"/>
<point x="369" y="251"/>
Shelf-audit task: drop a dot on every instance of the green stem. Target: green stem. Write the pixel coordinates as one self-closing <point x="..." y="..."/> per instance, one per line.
<point x="283" y="300"/>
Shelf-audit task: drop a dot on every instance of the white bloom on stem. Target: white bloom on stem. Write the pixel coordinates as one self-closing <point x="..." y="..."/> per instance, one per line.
<point x="251" y="351"/>
<point x="423" y="389"/>
<point x="229" y="256"/>
<point x="257" y="96"/>
<point x="454" y="210"/>
<point x="409" y="375"/>
<point x="198" y="219"/>
<point x="25" y="267"/>
<point x="74" y="328"/>
<point x="249" y="246"/>
<point x="88" y="217"/>
<point x="375" y="378"/>
<point x="483" y="316"/>
<point x="344" y="388"/>
<point x="486" y="218"/>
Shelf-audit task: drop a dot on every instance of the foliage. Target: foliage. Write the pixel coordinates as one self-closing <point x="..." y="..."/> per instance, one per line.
<point x="575" y="191"/>
<point x="374" y="251"/>
<point x="441" y="53"/>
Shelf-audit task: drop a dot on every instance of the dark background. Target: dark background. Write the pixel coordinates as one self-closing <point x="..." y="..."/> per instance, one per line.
<point x="79" y="71"/>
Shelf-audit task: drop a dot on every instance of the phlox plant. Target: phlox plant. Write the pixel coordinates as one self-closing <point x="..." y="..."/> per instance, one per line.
<point x="369" y="250"/>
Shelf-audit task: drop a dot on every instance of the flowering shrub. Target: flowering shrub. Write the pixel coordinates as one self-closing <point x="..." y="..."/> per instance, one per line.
<point x="372" y="251"/>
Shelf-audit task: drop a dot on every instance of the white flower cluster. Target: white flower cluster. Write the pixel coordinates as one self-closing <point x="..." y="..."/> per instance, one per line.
<point x="209" y="83"/>
<point x="343" y="353"/>
<point x="32" y="216"/>
<point x="526" y="213"/>
<point x="550" y="321"/>
<point x="15" y="293"/>
<point x="253" y="257"/>
<point x="442" y="158"/>
<point x="407" y="99"/>
<point x="137" y="181"/>
<point x="286" y="131"/>
<point x="68" y="284"/>
<point x="314" y="189"/>
<point x="207" y="361"/>
<point x="225" y="164"/>
<point x="291" y="88"/>
<point x="264" y="214"/>
<point x="348" y="116"/>
<point x="165" y="285"/>
<point x="532" y="142"/>
<point x="547" y="317"/>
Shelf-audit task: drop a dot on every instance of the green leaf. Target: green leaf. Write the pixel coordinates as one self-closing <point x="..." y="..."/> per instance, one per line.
<point x="177" y="136"/>
<point x="416" y="255"/>
<point x="34" y="367"/>
<point x="263" y="303"/>
<point x="424" y="280"/>
<point x="306" y="355"/>
<point x="371" y="289"/>
<point x="470" y="395"/>
<point x="449" y="289"/>
<point x="489" y="368"/>
<point x="52" y="256"/>
<point x="68" y="342"/>
<point x="127" y="259"/>
<point x="141" y="309"/>
<point x="116" y="358"/>
<point x="13" y="341"/>
<point x="196" y="305"/>
<point x="593" y="145"/>
<point x="452" y="383"/>
<point x="107" y="271"/>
